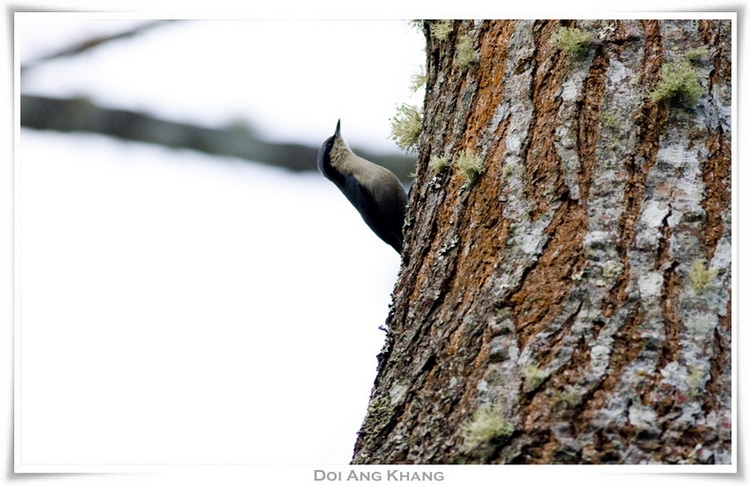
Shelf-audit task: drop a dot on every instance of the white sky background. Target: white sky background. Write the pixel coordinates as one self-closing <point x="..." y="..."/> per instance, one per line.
<point x="192" y="357"/>
<point x="181" y="308"/>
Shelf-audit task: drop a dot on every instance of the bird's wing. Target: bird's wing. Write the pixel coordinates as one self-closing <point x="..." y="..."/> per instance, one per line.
<point x="384" y="214"/>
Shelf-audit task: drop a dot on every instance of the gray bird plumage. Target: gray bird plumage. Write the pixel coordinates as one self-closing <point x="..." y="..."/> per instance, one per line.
<point x="373" y="190"/>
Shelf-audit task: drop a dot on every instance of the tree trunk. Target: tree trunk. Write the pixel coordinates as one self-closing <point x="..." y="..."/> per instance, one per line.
<point x="565" y="293"/>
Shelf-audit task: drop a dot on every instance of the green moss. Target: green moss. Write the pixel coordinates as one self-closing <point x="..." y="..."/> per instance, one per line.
<point x="486" y="425"/>
<point x="697" y="54"/>
<point x="509" y="170"/>
<point x="466" y="52"/>
<point x="571" y="40"/>
<point x="700" y="276"/>
<point x="418" y="80"/>
<point x="695" y="381"/>
<point x="439" y="163"/>
<point x="533" y="376"/>
<point x="379" y="406"/>
<point x="406" y="127"/>
<point x="612" y="268"/>
<point x="609" y="120"/>
<point x="470" y="166"/>
<point x="417" y="24"/>
<point x="679" y="83"/>
<point x="441" y="30"/>
<point x="567" y="398"/>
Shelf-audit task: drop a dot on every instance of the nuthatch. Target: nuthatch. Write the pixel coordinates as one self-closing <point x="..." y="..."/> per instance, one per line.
<point x="373" y="190"/>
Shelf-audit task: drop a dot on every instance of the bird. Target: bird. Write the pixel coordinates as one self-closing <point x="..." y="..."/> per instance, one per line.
<point x="373" y="190"/>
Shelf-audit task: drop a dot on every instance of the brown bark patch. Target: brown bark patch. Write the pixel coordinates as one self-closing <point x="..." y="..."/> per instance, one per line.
<point x="721" y="362"/>
<point x="717" y="171"/>
<point x="543" y="174"/>
<point x="589" y="121"/>
<point x="490" y="75"/>
<point x="482" y="239"/>
<point x="670" y="303"/>
<point x="548" y="283"/>
<point x="670" y="298"/>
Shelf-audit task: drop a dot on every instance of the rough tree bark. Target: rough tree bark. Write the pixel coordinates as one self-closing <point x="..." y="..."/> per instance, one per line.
<point x="565" y="292"/>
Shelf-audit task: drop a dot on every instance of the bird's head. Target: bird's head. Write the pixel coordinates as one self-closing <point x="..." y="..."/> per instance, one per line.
<point x="334" y="149"/>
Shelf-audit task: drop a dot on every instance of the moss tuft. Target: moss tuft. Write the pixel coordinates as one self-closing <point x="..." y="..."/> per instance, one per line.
<point x="406" y="127"/>
<point x="695" y="381"/>
<point x="679" y="83"/>
<point x="441" y="30"/>
<point x="567" y="398"/>
<point x="609" y="120"/>
<point x="418" y="80"/>
<point x="417" y="24"/>
<point x="612" y="268"/>
<point x="701" y="276"/>
<point x="697" y="54"/>
<point x="486" y="425"/>
<point x="466" y="52"/>
<point x="533" y="376"/>
<point x="439" y="163"/>
<point x="573" y="41"/>
<point x="470" y="166"/>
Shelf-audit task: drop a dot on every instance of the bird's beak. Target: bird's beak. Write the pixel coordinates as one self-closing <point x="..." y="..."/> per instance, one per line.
<point x="338" y="129"/>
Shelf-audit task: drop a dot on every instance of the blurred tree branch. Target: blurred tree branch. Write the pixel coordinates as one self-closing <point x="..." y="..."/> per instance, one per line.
<point x="93" y="43"/>
<point x="81" y="115"/>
